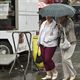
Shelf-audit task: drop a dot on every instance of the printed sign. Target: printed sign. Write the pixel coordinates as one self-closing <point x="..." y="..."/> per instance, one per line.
<point x="4" y="8"/>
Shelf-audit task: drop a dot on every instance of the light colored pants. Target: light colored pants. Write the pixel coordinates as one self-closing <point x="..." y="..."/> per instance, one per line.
<point x="68" y="69"/>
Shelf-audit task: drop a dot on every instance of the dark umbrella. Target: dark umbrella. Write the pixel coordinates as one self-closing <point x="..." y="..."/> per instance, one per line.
<point x="57" y="10"/>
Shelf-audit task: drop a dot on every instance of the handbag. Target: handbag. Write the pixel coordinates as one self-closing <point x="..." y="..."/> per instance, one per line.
<point x="65" y="44"/>
<point x="38" y="57"/>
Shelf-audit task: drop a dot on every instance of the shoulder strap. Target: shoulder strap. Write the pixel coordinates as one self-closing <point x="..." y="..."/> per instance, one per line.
<point x="64" y="32"/>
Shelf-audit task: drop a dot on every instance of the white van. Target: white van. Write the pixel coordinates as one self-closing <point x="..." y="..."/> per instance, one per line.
<point x="16" y="18"/>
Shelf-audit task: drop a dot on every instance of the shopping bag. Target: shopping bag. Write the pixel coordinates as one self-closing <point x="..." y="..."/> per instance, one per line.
<point x="36" y="57"/>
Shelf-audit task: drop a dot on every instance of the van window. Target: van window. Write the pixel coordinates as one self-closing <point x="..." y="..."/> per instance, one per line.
<point x="7" y="14"/>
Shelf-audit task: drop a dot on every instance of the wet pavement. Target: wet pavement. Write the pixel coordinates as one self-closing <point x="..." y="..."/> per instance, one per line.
<point x="33" y="74"/>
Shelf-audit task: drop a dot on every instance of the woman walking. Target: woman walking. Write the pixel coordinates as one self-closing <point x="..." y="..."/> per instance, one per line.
<point x="67" y="24"/>
<point x="48" y="43"/>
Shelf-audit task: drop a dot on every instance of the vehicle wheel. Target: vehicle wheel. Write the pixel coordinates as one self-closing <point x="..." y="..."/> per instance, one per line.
<point x="5" y="48"/>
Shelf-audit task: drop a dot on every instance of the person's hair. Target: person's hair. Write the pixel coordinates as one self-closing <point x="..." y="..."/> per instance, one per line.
<point x="65" y="21"/>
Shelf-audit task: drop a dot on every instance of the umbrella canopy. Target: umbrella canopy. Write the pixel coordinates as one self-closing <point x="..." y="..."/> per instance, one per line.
<point x="57" y="10"/>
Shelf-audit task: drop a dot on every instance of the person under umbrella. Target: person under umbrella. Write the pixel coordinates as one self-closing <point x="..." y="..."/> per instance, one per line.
<point x="66" y="54"/>
<point x="63" y="12"/>
<point x="47" y="41"/>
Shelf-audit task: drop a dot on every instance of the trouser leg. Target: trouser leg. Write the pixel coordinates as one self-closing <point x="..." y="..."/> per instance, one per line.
<point x="47" y="54"/>
<point x="68" y="68"/>
<point x="64" y="66"/>
<point x="48" y="62"/>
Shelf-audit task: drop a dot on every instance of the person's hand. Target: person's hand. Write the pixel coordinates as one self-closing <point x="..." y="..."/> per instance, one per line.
<point x="46" y="40"/>
<point x="59" y="25"/>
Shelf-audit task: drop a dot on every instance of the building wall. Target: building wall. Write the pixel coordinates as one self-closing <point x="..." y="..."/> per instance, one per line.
<point x="74" y="1"/>
<point x="43" y="1"/>
<point x="32" y="0"/>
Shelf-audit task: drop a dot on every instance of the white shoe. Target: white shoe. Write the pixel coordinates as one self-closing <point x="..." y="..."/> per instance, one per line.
<point x="73" y="77"/>
<point x="46" y="77"/>
<point x="54" y="75"/>
<point x="66" y="78"/>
